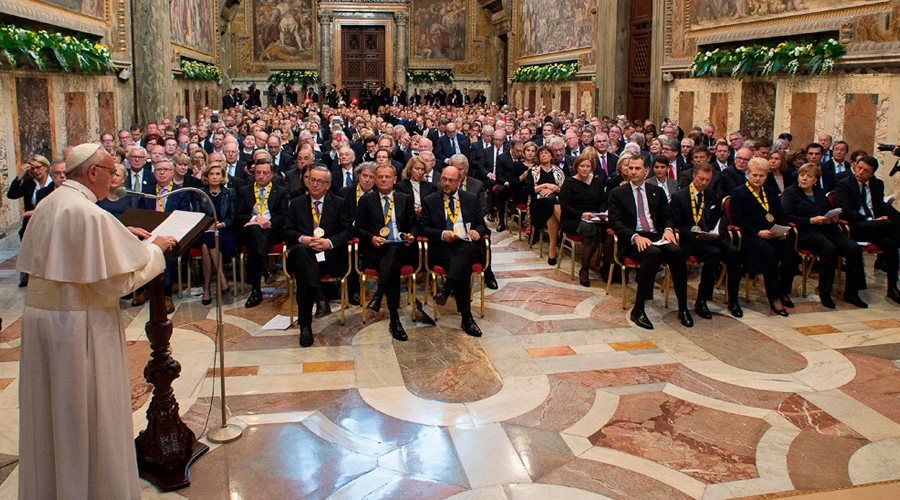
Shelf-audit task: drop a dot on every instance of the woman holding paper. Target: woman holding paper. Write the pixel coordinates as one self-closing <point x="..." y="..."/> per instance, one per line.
<point x="544" y="185"/>
<point x="755" y="209"/>
<point x="806" y="205"/>
<point x="581" y="196"/>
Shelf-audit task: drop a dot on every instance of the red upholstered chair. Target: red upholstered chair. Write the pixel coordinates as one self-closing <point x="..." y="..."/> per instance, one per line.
<point x="626" y="264"/>
<point x="408" y="272"/>
<point x="574" y="243"/>
<point x="275" y="251"/>
<point x="432" y="274"/>
<point x="520" y="215"/>
<point x="196" y="255"/>
<point x="342" y="280"/>
<point x="695" y="262"/>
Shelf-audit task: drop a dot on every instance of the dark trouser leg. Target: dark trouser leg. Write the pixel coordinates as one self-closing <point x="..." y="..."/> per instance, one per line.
<point x="675" y="257"/>
<point x="389" y="264"/>
<point x="879" y="232"/>
<point x="254" y="239"/>
<point x="820" y="245"/>
<point x="170" y="276"/>
<point x="769" y="258"/>
<point x="710" y="256"/>
<point x="650" y="261"/>
<point x="849" y="250"/>
<point x="302" y="262"/>
<point x="734" y="262"/>
<point x="460" y="270"/>
<point x="501" y="196"/>
<point x="891" y="261"/>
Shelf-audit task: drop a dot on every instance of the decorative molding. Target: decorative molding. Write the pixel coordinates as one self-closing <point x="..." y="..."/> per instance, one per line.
<point x="122" y="26"/>
<point x="363" y="1"/>
<point x="401" y="18"/>
<point x="325" y="16"/>
<point x="57" y="16"/>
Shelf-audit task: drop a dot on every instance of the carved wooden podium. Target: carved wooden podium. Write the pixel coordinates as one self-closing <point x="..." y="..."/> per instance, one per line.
<point x="167" y="447"/>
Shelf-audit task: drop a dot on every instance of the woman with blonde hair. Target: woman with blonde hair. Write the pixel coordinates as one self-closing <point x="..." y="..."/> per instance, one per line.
<point x="214" y="180"/>
<point x="35" y="176"/>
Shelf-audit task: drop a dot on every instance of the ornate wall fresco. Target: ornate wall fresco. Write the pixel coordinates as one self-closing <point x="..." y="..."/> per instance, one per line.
<point x="544" y="30"/>
<point x="283" y="30"/>
<point x="92" y="8"/>
<point x="706" y="13"/>
<point x="193" y="24"/>
<point x="439" y="29"/>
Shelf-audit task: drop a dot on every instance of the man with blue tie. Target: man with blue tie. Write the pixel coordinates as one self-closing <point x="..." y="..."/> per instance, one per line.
<point x="449" y="144"/>
<point x="139" y="177"/>
<point x="386" y="227"/>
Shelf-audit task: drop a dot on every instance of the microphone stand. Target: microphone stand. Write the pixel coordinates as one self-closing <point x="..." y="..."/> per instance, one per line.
<point x="226" y="432"/>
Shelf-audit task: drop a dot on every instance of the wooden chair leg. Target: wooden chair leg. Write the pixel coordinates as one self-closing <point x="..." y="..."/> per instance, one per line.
<point x="666" y="285"/>
<point x="178" y="267"/>
<point x="233" y="274"/>
<point x="482" y="293"/>
<point x="575" y="247"/>
<point x="433" y="293"/>
<point x="624" y="304"/>
<point x="609" y="279"/>
<point x="362" y="295"/>
<point x="291" y="286"/>
<point x="189" y="262"/>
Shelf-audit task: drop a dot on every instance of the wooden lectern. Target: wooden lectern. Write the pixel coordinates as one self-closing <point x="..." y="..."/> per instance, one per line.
<point x="167" y="447"/>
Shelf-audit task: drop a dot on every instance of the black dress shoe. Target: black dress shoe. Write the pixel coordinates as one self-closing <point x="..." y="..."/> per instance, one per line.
<point x="786" y="301"/>
<point x="374" y="305"/>
<point x="586" y="284"/>
<point x="702" y="309"/>
<point x="322" y="309"/>
<point x="206" y="302"/>
<point x="894" y="294"/>
<point x="354" y="299"/>
<point x="856" y="301"/>
<point x="684" y="314"/>
<point x="491" y="282"/>
<point x="254" y="299"/>
<point x="491" y="218"/>
<point x="441" y="297"/>
<point x="879" y="265"/>
<point x="306" y="336"/>
<point x="552" y="260"/>
<point x="735" y="309"/>
<point x="780" y="312"/>
<point x="640" y="319"/>
<point x="397" y="331"/>
<point x="827" y="301"/>
<point x="501" y="228"/>
<point x="470" y="327"/>
<point x="24" y="281"/>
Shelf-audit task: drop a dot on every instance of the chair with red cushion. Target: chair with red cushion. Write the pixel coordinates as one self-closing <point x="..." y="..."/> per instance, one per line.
<point x="195" y="255"/>
<point x="341" y="280"/>
<point x="871" y="248"/>
<point x="432" y="274"/>
<point x="574" y="242"/>
<point x="626" y="264"/>
<point x="275" y="251"/>
<point x="520" y="216"/>
<point x="407" y="271"/>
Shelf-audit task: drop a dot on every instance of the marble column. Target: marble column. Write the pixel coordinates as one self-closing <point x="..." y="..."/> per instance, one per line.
<point x="152" y="69"/>
<point x="658" y="103"/>
<point x="401" y="56"/>
<point x="612" y="46"/>
<point x="498" y="65"/>
<point x="326" y="47"/>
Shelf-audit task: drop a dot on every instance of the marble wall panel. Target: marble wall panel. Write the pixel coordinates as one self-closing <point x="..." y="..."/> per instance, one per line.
<point x="565" y="101"/>
<point x="860" y="113"/>
<point x="686" y="109"/>
<point x="33" y="103"/>
<point x="718" y="110"/>
<point x="803" y="117"/>
<point x="76" y="119"/>
<point x="106" y="102"/>
<point x="758" y="109"/>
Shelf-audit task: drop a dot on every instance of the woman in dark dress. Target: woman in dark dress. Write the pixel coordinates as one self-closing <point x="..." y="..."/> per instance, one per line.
<point x="582" y="195"/>
<point x="805" y="205"/>
<point x="222" y="196"/>
<point x="543" y="184"/>
<point x="782" y="174"/>
<point x="755" y="209"/>
<point x="113" y="204"/>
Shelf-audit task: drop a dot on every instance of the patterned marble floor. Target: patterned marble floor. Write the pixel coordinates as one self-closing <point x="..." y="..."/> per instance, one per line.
<point x="561" y="398"/>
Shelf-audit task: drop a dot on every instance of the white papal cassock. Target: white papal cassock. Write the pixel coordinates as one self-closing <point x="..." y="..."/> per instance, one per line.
<point x="75" y="429"/>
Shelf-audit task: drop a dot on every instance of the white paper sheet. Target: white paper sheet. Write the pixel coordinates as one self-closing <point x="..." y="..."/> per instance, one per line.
<point x="779" y="230"/>
<point x="177" y="225"/>
<point x="279" y="322"/>
<point x="714" y="232"/>
<point x="834" y="211"/>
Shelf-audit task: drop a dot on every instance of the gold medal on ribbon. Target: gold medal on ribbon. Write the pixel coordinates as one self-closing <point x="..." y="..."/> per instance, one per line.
<point x="456" y="231"/>
<point x="696" y="229"/>
<point x="319" y="232"/>
<point x="770" y="217"/>
<point x="384" y="232"/>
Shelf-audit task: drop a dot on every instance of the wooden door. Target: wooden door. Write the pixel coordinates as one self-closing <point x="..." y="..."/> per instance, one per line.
<point x="362" y="57"/>
<point x="639" y="69"/>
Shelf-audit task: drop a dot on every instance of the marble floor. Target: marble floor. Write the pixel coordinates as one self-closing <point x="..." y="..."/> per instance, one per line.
<point x="561" y="398"/>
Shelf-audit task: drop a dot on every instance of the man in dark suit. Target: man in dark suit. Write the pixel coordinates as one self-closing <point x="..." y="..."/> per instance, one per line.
<point x="453" y="222"/>
<point x="639" y="215"/>
<point x="722" y="156"/>
<point x="815" y="154"/>
<point x="451" y="143"/>
<point x="234" y="167"/>
<point x="401" y="93"/>
<point x="735" y="175"/>
<point x="276" y="98"/>
<point x="260" y="211"/>
<point x="558" y="146"/>
<point x="497" y="164"/>
<point x="321" y="227"/>
<point x="342" y="175"/>
<point x="282" y="161"/>
<point x="472" y="185"/>
<point x="698" y="206"/>
<point x="164" y="173"/>
<point x="383" y="216"/>
<point x="861" y="200"/>
<point x="331" y="97"/>
<point x="228" y="99"/>
<point x="838" y="160"/>
<point x="139" y="178"/>
<point x="606" y="159"/>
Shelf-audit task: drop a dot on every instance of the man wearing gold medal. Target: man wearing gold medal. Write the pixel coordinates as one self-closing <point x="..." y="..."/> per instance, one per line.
<point x="260" y="212"/>
<point x="452" y="244"/>
<point x="695" y="209"/>
<point x="384" y="218"/>
<point x="317" y="223"/>
<point x="365" y="182"/>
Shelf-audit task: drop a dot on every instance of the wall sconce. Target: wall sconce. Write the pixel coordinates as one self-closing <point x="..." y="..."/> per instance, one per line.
<point x="668" y="77"/>
<point x="125" y="74"/>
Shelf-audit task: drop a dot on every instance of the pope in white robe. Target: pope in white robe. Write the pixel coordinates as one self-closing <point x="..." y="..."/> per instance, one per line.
<point x="75" y="434"/>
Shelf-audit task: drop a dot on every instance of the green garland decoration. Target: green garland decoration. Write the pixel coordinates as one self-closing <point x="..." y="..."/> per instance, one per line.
<point x="429" y="76"/>
<point x="768" y="60"/>
<point x="553" y="72"/>
<point x="193" y="70"/>
<point x="303" y="78"/>
<point x="70" y="53"/>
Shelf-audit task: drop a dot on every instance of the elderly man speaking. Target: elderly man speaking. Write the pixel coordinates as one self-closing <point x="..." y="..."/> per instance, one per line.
<point x="76" y="437"/>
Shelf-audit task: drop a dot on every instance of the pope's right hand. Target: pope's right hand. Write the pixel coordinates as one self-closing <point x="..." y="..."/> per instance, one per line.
<point x="165" y="243"/>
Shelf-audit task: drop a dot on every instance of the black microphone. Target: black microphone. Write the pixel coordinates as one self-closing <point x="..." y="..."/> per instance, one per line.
<point x="122" y="192"/>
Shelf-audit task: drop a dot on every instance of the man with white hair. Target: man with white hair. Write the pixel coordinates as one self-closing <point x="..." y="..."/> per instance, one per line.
<point x="76" y="434"/>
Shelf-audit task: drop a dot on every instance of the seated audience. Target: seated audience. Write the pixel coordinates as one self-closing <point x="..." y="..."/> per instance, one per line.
<point x="582" y="196"/>
<point x="222" y="197"/>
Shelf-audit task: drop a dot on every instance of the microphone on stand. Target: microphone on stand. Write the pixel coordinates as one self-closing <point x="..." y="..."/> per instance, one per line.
<point x="226" y="433"/>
